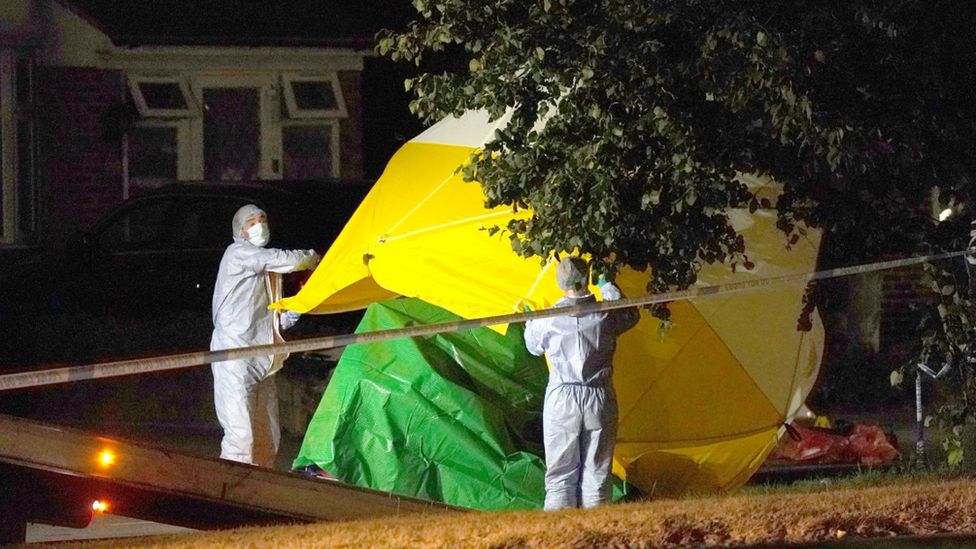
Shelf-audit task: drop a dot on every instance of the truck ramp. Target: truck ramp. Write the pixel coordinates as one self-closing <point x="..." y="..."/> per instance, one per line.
<point x="58" y="475"/>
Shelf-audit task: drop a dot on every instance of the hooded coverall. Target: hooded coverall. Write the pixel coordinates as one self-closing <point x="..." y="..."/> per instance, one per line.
<point x="579" y="415"/>
<point x="244" y="391"/>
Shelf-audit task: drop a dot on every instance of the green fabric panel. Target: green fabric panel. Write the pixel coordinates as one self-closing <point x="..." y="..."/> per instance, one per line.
<point x="454" y="417"/>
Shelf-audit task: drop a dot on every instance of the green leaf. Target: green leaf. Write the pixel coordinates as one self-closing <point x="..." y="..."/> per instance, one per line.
<point x="474" y="65"/>
<point x="955" y="456"/>
<point x="896" y="378"/>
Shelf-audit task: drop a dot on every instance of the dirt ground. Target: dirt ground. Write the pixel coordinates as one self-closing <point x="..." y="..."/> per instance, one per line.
<point x="902" y="508"/>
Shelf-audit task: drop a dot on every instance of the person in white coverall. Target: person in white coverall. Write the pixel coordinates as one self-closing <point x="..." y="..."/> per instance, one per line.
<point x="248" y="280"/>
<point x="579" y="414"/>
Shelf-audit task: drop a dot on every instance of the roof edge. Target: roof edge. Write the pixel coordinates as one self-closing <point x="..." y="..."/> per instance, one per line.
<point x="84" y="16"/>
<point x="355" y="43"/>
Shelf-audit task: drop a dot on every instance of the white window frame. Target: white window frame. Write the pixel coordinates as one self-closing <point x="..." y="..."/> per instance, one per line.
<point x="277" y="111"/>
<point x="333" y="142"/>
<point x="295" y="112"/>
<point x="192" y="107"/>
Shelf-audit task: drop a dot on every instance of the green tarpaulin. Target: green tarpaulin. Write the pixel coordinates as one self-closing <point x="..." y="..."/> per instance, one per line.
<point x="455" y="417"/>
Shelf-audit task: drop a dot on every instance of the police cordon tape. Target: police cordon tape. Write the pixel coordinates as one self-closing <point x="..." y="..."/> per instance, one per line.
<point x="54" y="376"/>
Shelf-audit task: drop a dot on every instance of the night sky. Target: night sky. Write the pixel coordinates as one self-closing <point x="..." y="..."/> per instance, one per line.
<point x="245" y="22"/>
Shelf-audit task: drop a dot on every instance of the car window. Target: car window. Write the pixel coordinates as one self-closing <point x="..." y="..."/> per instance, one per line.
<point x="206" y="222"/>
<point x="142" y="227"/>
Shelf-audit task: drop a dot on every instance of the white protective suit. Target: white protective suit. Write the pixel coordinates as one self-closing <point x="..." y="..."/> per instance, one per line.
<point x="244" y="391"/>
<point x="579" y="414"/>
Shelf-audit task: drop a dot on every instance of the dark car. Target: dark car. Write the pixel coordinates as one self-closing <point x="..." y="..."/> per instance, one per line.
<point x="153" y="258"/>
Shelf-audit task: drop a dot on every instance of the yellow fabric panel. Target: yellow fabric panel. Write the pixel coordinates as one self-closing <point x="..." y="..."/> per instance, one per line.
<point x="464" y="270"/>
<point x="661" y="471"/>
<point x="342" y="268"/>
<point x="686" y="322"/>
<point x="420" y="223"/>
<point x="442" y="252"/>
<point x="748" y="321"/>
<point x="643" y="353"/>
<point x="807" y="367"/>
<point x="413" y="172"/>
<point x="353" y="297"/>
<point x="759" y="329"/>
<point x="701" y="393"/>
<point x="433" y="193"/>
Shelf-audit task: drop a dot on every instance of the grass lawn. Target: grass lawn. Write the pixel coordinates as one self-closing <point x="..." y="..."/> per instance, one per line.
<point x="866" y="505"/>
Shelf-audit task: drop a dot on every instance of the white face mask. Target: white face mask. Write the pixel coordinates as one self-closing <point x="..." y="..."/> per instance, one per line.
<point x="258" y="234"/>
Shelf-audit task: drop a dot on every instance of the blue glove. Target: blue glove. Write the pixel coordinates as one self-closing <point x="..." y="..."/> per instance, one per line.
<point x="601" y="282"/>
<point x="291" y="316"/>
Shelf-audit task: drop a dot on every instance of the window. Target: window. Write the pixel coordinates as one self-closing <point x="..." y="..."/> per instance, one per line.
<point x="6" y="148"/>
<point x="162" y="96"/>
<point x="313" y="96"/>
<point x="311" y="107"/>
<point x="231" y="133"/>
<point x="24" y="112"/>
<point x="17" y="140"/>
<point x="309" y="151"/>
<point x="214" y="126"/>
<point x="25" y="175"/>
<point x="152" y="154"/>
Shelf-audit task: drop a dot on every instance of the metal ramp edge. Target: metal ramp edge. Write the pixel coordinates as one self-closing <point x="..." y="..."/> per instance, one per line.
<point x="127" y="469"/>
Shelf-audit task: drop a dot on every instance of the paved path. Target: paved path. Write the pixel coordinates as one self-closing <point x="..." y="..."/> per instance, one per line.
<point x="103" y="526"/>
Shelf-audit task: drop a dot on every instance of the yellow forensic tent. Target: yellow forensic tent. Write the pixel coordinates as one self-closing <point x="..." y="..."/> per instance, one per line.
<point x="700" y="405"/>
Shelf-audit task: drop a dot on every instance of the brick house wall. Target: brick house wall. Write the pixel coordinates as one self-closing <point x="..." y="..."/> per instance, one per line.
<point x="81" y="174"/>
<point x="902" y="289"/>
<point x="351" y="127"/>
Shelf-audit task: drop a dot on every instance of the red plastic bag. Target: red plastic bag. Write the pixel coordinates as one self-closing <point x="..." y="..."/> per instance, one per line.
<point x="869" y="445"/>
<point x="862" y="443"/>
<point x="815" y="445"/>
